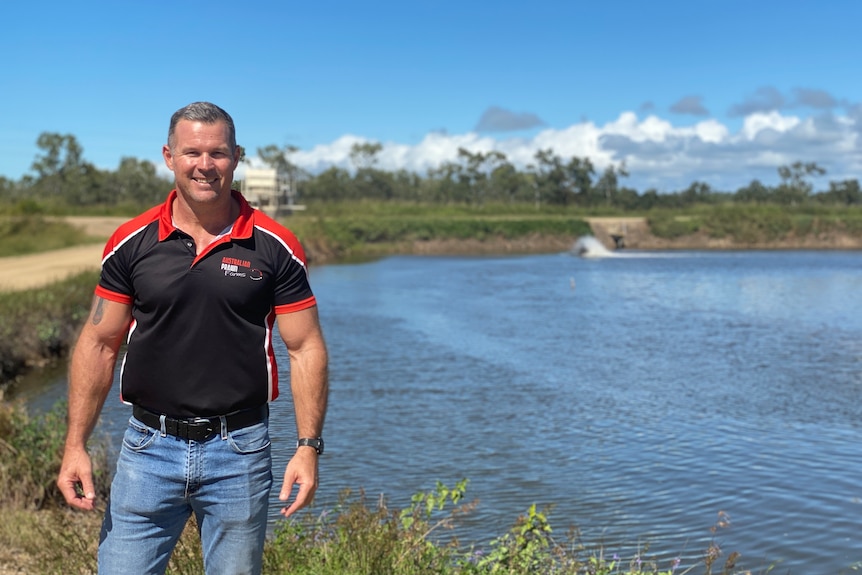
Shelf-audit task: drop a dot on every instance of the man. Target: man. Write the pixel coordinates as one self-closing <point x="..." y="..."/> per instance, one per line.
<point x="195" y="286"/>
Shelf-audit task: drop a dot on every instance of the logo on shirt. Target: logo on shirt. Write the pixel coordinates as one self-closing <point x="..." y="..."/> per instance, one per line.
<point x="237" y="268"/>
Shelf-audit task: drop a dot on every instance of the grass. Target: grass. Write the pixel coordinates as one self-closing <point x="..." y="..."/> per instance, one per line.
<point x="39" y="326"/>
<point x="358" y="230"/>
<point x="754" y="223"/>
<point x="362" y="229"/>
<point x="356" y="537"/>
<point x="22" y="235"/>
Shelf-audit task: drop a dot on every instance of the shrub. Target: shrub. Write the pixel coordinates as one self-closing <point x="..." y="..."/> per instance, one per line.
<point x="31" y="450"/>
<point x="38" y="326"/>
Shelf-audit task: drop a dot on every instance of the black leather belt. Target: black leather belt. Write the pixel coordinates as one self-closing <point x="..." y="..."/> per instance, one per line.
<point x="200" y="428"/>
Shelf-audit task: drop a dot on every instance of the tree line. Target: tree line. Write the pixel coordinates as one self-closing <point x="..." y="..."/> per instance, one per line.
<point x="63" y="177"/>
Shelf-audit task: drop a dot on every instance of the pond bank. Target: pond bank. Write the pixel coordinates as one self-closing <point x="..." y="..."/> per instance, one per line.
<point x="23" y="274"/>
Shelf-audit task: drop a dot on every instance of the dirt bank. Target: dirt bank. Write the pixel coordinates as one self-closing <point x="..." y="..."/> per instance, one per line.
<point x="634" y="233"/>
<point x="24" y="272"/>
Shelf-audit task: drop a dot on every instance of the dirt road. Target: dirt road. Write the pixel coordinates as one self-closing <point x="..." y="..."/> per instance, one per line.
<point x="25" y="272"/>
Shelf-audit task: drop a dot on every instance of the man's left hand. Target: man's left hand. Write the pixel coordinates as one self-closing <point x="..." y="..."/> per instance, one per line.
<point x="301" y="471"/>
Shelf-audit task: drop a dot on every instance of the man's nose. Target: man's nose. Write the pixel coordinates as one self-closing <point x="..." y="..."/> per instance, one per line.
<point x="205" y="161"/>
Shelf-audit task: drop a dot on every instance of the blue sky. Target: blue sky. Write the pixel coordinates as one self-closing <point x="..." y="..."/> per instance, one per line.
<point x="721" y="92"/>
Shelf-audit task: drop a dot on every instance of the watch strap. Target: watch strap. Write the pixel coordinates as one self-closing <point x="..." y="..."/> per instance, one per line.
<point x="313" y="442"/>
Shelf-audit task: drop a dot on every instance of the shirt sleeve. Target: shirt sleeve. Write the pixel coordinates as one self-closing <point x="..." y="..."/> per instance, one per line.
<point x="292" y="290"/>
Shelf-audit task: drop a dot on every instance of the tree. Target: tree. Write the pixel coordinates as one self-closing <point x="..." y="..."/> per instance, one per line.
<point x="364" y="155"/>
<point x="476" y="172"/>
<point x="507" y="183"/>
<point x="330" y="185"/>
<point x="368" y="181"/>
<point x="754" y="192"/>
<point x="448" y="183"/>
<point x="279" y="159"/>
<point x="846" y="193"/>
<point x="696" y="193"/>
<point x="7" y="189"/>
<point x="607" y="188"/>
<point x="551" y="179"/>
<point x="61" y="170"/>
<point x="794" y="187"/>
<point x="137" y="181"/>
<point x="649" y="199"/>
<point x="276" y="157"/>
<point x="580" y="172"/>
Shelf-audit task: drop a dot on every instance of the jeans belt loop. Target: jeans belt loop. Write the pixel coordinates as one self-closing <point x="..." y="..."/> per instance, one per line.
<point x="223" y="421"/>
<point x="162" y="425"/>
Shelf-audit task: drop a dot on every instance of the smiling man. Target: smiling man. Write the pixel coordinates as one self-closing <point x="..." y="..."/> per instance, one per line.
<point x="195" y="286"/>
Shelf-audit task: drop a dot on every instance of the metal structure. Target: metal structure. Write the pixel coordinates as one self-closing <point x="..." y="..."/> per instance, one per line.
<point x="270" y="191"/>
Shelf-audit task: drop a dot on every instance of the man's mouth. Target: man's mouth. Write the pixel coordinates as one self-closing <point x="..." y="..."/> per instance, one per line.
<point x="205" y="180"/>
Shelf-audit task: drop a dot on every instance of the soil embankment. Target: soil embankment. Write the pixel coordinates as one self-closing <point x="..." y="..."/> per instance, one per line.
<point x="25" y="272"/>
<point x="634" y="233"/>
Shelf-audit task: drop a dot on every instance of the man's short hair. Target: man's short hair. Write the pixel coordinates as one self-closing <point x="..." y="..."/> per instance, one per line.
<point x="202" y="112"/>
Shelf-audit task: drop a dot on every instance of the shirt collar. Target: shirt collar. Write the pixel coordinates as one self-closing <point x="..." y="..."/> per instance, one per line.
<point x="243" y="226"/>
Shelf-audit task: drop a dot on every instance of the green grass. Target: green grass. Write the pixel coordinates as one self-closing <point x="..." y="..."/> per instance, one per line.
<point x="21" y="235"/>
<point x="39" y="326"/>
<point x="754" y="223"/>
<point x="354" y="538"/>
<point x="350" y="230"/>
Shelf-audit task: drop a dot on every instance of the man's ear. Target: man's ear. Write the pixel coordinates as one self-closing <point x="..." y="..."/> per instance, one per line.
<point x="168" y="156"/>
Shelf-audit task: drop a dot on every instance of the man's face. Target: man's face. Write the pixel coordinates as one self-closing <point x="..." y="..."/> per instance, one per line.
<point x="202" y="160"/>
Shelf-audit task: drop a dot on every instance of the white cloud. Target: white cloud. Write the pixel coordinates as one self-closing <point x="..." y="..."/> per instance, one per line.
<point x="656" y="152"/>
<point x="757" y="122"/>
<point x="711" y="131"/>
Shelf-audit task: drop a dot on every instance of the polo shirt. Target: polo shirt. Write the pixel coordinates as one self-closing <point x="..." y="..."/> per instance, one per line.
<point x="200" y="340"/>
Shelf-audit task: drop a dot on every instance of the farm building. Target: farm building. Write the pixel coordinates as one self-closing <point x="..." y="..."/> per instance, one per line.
<point x="270" y="191"/>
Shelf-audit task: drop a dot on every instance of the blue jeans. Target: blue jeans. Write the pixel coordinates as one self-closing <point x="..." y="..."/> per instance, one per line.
<point x="161" y="480"/>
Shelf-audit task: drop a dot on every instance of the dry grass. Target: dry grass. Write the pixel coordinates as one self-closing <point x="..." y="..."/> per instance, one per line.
<point x="48" y="542"/>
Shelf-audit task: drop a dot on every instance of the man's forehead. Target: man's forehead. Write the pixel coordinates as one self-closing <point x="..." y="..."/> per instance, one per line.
<point x="188" y="131"/>
<point x="198" y="126"/>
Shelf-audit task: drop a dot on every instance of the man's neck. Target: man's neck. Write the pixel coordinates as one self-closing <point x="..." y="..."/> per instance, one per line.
<point x="204" y="221"/>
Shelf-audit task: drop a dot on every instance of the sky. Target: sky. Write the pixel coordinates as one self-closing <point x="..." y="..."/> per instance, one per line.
<point x="721" y="92"/>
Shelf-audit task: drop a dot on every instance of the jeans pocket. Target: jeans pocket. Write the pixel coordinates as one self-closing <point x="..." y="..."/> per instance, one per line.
<point x="251" y="439"/>
<point x="138" y="436"/>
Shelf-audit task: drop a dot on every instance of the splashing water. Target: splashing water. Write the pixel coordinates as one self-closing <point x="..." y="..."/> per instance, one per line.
<point x="590" y="247"/>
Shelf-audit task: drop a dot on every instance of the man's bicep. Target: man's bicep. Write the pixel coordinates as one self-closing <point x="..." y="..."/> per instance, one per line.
<point x="300" y="328"/>
<point x="108" y="320"/>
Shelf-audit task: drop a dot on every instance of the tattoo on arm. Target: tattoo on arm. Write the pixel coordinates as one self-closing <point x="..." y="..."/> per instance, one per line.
<point x="98" y="311"/>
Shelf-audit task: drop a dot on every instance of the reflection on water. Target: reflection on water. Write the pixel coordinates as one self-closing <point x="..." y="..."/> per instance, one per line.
<point x="640" y="395"/>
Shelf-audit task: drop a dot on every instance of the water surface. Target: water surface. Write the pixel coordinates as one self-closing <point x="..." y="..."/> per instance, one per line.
<point x="640" y="395"/>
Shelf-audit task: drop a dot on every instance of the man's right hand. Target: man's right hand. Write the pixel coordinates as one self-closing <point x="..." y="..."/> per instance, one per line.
<point x="76" y="480"/>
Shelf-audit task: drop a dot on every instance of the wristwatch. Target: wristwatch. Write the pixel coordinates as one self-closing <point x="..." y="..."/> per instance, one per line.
<point x="315" y="442"/>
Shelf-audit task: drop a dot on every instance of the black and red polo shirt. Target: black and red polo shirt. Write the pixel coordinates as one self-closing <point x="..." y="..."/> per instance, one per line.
<point x="200" y="341"/>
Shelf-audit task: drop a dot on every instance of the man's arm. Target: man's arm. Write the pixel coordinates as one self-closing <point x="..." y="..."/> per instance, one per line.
<point x="91" y="373"/>
<point x="310" y="387"/>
